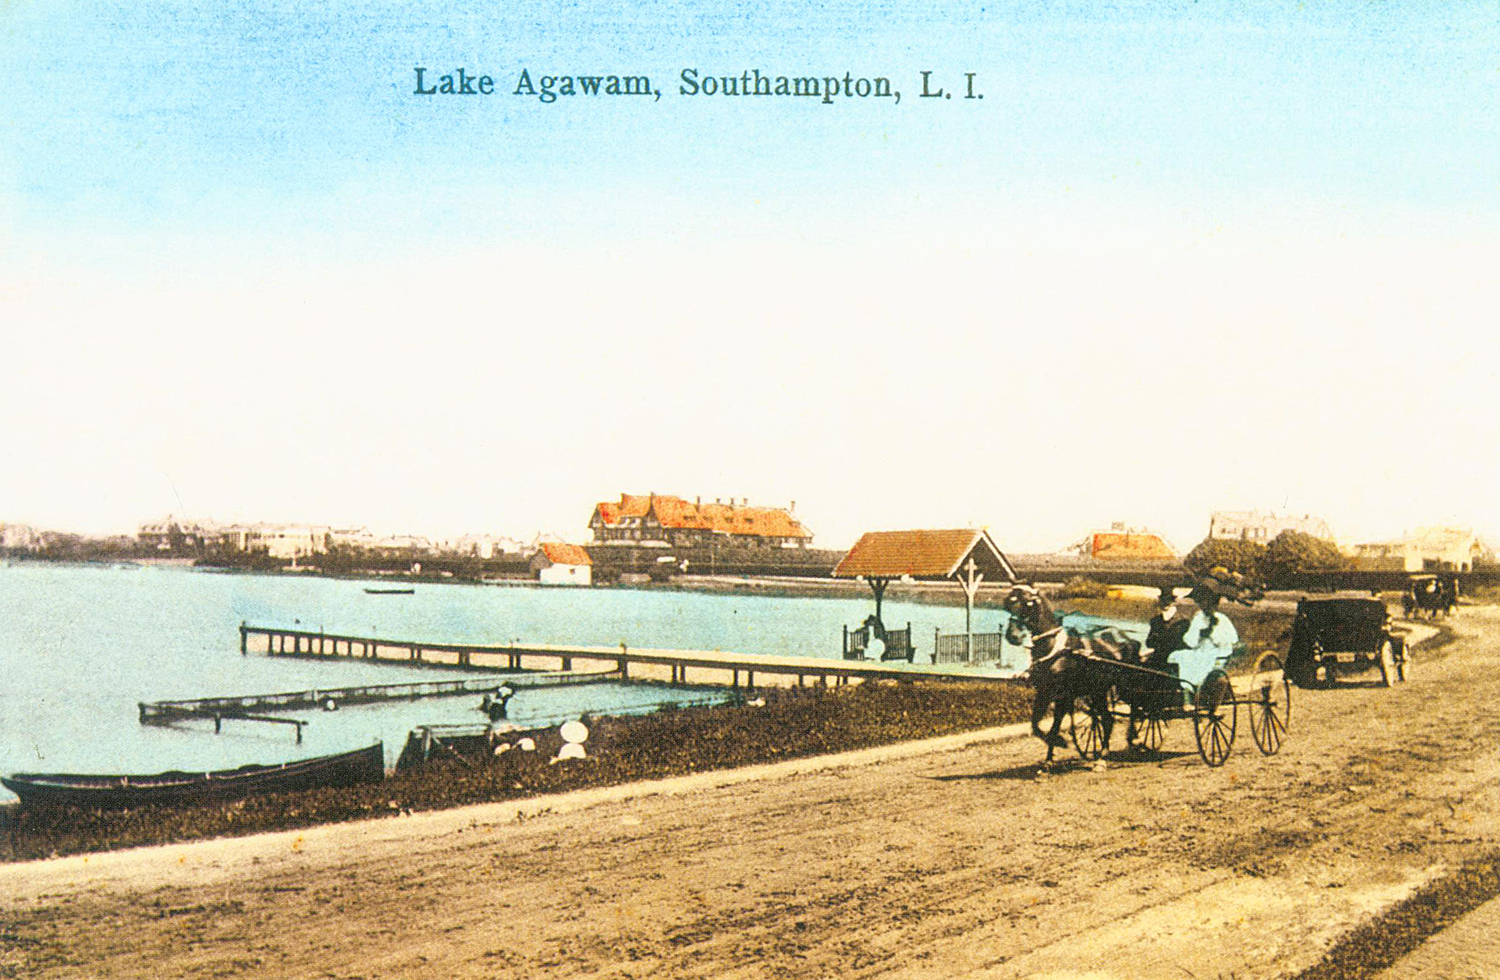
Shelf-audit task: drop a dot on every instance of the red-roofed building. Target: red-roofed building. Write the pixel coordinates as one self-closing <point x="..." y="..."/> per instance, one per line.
<point x="679" y="523"/>
<point x="1120" y="543"/>
<point x="556" y="563"/>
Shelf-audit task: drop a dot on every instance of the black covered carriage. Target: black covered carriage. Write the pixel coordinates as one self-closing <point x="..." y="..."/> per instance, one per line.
<point x="1431" y="594"/>
<point x="1335" y="636"/>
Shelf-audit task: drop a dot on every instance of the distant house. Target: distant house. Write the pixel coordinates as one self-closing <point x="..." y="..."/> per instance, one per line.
<point x="1427" y="549"/>
<point x="1444" y="549"/>
<point x="1252" y="525"/>
<point x="1121" y="543"/>
<point x="1378" y="556"/>
<point x="286" y="541"/>
<point x="20" y="537"/>
<point x="178" y="537"/>
<point x="562" y="564"/>
<point x="675" y="522"/>
<point x="483" y="546"/>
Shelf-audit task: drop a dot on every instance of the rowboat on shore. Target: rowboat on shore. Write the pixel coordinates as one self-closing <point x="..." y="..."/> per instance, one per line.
<point x="175" y="788"/>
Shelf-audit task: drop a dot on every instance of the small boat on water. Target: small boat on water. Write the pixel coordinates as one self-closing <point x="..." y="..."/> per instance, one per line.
<point x="405" y="591"/>
<point x="365" y="765"/>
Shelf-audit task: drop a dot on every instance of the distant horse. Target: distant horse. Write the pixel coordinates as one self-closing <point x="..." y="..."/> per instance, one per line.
<point x="1062" y="666"/>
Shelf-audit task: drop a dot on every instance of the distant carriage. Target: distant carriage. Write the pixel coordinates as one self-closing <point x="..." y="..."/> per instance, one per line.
<point x="1331" y="637"/>
<point x="1430" y="594"/>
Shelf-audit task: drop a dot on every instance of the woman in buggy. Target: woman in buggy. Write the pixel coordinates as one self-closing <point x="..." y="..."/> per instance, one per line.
<point x="1190" y="647"/>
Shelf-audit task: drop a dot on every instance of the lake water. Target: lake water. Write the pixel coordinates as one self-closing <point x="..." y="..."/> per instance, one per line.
<point x="80" y="646"/>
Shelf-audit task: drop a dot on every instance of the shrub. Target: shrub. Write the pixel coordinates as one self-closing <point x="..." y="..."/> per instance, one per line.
<point x="1293" y="553"/>
<point x="1079" y="587"/>
<point x="1244" y="557"/>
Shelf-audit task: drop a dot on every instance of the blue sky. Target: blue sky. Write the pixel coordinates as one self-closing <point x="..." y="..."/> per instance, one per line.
<point x="219" y="220"/>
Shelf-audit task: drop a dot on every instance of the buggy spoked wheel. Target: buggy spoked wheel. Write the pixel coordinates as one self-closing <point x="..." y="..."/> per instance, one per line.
<point x="1271" y="707"/>
<point x="1387" y="663"/>
<point x="1403" y="666"/>
<point x="1215" y="716"/>
<point x="1149" y="732"/>
<point x="1088" y="727"/>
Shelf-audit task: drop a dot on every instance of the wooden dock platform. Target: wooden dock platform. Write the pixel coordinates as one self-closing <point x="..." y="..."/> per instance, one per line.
<point x="251" y="707"/>
<point x="715" y="667"/>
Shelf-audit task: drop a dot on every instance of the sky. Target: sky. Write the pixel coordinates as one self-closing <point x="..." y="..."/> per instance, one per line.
<point x="1178" y="258"/>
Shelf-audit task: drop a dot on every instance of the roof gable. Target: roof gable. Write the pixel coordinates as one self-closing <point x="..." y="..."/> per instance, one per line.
<point x="679" y="514"/>
<point x="924" y="554"/>
<point x="565" y="554"/>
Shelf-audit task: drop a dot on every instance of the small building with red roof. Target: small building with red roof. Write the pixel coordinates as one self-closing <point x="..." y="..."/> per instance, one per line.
<point x="556" y="563"/>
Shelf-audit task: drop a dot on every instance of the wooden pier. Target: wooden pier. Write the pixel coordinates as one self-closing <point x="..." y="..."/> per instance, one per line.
<point x="251" y="707"/>
<point x="715" y="667"/>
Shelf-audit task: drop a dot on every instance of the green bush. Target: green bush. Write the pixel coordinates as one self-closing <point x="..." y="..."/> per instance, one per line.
<point x="1245" y="557"/>
<point x="1294" y="553"/>
<point x="1079" y="587"/>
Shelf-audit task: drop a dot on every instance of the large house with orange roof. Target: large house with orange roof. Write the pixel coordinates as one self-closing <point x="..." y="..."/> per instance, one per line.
<point x="675" y="522"/>
<point x="1121" y="543"/>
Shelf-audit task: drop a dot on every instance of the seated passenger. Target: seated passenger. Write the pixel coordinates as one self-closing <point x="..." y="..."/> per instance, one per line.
<point x="1164" y="633"/>
<point x="1210" y="635"/>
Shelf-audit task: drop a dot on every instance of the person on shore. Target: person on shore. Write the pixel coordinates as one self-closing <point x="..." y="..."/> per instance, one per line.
<point x="496" y="705"/>
<point x="1210" y="635"/>
<point x="874" y="639"/>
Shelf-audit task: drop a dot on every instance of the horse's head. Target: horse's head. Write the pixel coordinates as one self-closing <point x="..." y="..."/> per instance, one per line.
<point x="1029" y="613"/>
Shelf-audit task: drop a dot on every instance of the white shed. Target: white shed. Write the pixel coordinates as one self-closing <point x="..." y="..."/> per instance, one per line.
<point x="562" y="564"/>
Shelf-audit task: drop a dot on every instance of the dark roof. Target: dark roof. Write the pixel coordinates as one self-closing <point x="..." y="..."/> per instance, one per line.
<point x="925" y="554"/>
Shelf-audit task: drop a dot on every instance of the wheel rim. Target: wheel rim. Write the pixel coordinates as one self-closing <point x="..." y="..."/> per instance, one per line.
<point x="1215" y="719"/>
<point x="1387" y="663"/>
<point x="1088" y="731"/>
<point x="1151" y="733"/>
<point x="1215" y="732"/>
<point x="1271" y="711"/>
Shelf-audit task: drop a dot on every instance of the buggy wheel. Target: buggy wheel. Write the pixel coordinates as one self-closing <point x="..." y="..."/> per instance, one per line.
<point x="1271" y="709"/>
<point x="1088" y="727"/>
<point x="1215" y="717"/>
<point x="1403" y="666"/>
<point x="1387" y="663"/>
<point x="1149" y="733"/>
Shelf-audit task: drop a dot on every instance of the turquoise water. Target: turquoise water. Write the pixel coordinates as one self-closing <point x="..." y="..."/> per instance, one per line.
<point x="80" y="646"/>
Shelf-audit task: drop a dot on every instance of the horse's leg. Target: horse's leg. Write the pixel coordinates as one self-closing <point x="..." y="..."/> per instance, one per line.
<point x="1053" y="738"/>
<point x="1106" y="716"/>
<point x="1039" y="703"/>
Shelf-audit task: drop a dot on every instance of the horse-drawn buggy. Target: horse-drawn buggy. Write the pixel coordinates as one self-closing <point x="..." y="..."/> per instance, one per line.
<point x="1331" y="637"/>
<point x="1097" y="678"/>
<point x="1430" y="594"/>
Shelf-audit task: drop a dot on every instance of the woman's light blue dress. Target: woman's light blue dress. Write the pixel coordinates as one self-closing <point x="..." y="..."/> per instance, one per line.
<point x="1204" y="647"/>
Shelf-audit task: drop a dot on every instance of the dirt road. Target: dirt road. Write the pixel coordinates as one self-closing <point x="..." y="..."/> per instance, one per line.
<point x="952" y="863"/>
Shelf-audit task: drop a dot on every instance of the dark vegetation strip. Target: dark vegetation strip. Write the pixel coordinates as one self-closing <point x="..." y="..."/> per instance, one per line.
<point x="1377" y="944"/>
<point x="792" y="723"/>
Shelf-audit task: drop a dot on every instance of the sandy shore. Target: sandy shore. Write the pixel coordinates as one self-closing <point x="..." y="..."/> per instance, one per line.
<point x="940" y="860"/>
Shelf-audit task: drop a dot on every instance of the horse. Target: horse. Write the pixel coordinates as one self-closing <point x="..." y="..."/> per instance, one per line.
<point x="1063" y="668"/>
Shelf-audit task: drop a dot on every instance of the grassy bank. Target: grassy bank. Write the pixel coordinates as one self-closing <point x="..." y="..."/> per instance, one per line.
<point x="791" y="723"/>
<point x="1382" y="941"/>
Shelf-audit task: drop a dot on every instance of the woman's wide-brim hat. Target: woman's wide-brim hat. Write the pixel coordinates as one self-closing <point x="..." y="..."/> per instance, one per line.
<point x="1223" y="585"/>
<point x="1212" y="589"/>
